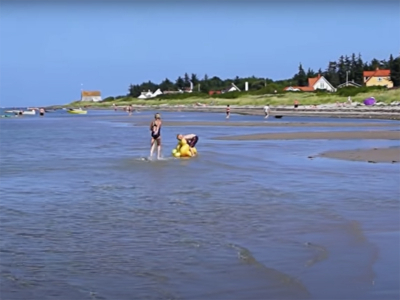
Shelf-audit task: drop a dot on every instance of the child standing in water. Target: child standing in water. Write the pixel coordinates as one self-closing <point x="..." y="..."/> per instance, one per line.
<point x="155" y="129"/>
<point x="228" y="111"/>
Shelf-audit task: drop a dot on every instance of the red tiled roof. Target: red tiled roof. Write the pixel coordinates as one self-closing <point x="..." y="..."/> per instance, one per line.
<point x="307" y="88"/>
<point x="301" y="88"/>
<point x="312" y="81"/>
<point x="376" y="73"/>
<point x="90" y="93"/>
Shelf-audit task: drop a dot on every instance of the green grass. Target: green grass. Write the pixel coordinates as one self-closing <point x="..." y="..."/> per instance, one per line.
<point x="244" y="99"/>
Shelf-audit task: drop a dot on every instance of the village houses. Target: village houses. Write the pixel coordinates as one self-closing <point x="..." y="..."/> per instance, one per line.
<point x="315" y="83"/>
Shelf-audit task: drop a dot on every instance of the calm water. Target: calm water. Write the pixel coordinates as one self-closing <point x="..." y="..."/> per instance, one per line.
<point x="83" y="216"/>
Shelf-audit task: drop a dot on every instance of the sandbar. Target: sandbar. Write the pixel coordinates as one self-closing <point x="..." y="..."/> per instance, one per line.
<point x="375" y="155"/>
<point x="272" y="124"/>
<point x="342" y="135"/>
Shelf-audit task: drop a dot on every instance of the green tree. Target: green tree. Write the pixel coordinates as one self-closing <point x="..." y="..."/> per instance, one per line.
<point x="341" y="70"/>
<point x="134" y="90"/>
<point x="186" y="80"/>
<point x="166" y="85"/>
<point x="301" y="77"/>
<point x="358" y="70"/>
<point x="179" y="83"/>
<point x="331" y="73"/>
<point x="395" y="71"/>
<point x="311" y="73"/>
<point x="194" y="79"/>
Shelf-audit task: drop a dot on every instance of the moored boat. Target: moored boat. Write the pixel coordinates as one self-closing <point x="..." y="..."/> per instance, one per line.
<point x="77" y="111"/>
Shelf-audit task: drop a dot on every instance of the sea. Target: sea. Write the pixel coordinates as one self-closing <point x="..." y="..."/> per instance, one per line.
<point x="86" y="214"/>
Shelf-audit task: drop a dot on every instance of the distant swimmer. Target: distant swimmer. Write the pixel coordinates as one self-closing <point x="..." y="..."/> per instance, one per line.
<point x="228" y="111"/>
<point x="266" y="111"/>
<point x="191" y="140"/>
<point x="41" y="112"/>
<point x="155" y="129"/>
<point x="130" y="109"/>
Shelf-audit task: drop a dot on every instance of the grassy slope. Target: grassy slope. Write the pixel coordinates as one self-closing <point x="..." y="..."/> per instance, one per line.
<point x="279" y="99"/>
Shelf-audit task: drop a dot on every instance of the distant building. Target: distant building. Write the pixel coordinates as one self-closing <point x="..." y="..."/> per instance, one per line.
<point x="231" y="88"/>
<point x="149" y="94"/>
<point x="94" y="96"/>
<point x="214" y="92"/>
<point x="378" y="78"/>
<point x="315" y="83"/>
<point x="349" y="83"/>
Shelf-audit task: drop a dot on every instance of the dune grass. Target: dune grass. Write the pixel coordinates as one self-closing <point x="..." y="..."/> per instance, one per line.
<point x="244" y="99"/>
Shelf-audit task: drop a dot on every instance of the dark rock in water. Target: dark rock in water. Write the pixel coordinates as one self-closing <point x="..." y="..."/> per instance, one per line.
<point x="372" y="162"/>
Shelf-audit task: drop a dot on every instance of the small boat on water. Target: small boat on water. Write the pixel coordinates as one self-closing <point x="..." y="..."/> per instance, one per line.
<point x="21" y="112"/>
<point x="79" y="111"/>
<point x="29" y="112"/>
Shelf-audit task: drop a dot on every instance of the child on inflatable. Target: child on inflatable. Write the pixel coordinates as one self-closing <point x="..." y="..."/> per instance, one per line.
<point x="191" y="140"/>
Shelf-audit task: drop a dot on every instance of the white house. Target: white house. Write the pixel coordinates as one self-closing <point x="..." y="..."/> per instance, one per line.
<point x="149" y="94"/>
<point x="231" y="88"/>
<point x="94" y="96"/>
<point x="316" y="83"/>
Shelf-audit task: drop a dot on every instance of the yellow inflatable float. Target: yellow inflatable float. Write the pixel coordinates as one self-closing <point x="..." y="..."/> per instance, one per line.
<point x="183" y="150"/>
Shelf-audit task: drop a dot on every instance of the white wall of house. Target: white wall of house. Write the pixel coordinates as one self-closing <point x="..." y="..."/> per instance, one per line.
<point x="292" y="89"/>
<point x="323" y="84"/>
<point x="232" y="89"/>
<point x="91" y="98"/>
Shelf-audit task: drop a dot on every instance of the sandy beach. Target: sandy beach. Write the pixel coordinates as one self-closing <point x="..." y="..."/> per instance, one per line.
<point x="389" y="112"/>
<point x="345" y="135"/>
<point x="274" y="124"/>
<point x="375" y="155"/>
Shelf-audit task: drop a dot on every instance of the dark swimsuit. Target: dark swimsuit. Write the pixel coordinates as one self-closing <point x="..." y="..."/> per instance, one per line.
<point x="156" y="135"/>
<point x="192" y="142"/>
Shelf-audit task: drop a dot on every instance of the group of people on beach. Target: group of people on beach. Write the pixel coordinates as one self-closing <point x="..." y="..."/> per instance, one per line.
<point x="155" y="131"/>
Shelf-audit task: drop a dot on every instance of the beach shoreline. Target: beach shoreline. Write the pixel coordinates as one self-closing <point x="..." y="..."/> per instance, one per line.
<point x="374" y="155"/>
<point x="387" y="112"/>
<point x="317" y="135"/>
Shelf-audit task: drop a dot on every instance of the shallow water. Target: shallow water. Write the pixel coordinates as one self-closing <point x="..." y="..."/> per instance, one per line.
<point x="85" y="216"/>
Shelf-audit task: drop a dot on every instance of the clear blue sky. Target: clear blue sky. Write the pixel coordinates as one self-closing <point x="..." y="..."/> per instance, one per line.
<point x="49" y="50"/>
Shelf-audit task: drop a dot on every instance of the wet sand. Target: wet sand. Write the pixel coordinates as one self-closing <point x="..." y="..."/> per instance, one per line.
<point x="345" y="135"/>
<point x="363" y="112"/>
<point x="376" y="155"/>
<point x="273" y="124"/>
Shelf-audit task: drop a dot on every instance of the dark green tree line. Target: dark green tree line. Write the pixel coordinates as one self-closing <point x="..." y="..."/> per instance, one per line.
<point x="350" y="67"/>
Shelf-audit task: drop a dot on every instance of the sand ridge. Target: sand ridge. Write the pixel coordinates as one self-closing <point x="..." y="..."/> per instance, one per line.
<point x="330" y="135"/>
<point x="375" y="155"/>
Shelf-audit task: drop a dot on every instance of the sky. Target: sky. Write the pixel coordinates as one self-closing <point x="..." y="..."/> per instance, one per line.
<point x="50" y="50"/>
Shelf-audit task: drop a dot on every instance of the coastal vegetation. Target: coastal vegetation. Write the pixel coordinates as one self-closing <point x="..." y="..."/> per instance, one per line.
<point x="382" y="95"/>
<point x="266" y="90"/>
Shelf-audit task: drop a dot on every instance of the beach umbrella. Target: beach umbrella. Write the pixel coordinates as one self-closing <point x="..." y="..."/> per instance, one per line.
<point x="370" y="101"/>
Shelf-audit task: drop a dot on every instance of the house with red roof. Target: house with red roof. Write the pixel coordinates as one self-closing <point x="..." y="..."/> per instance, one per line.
<point x="378" y="77"/>
<point x="315" y="83"/>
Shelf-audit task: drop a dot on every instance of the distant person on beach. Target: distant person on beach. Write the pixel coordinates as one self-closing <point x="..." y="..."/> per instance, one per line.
<point x="349" y="100"/>
<point x="155" y="129"/>
<point x="228" y="111"/>
<point x="41" y="111"/>
<point x="191" y="140"/>
<point x="115" y="107"/>
<point x="296" y="103"/>
<point x="266" y="111"/>
<point x="129" y="108"/>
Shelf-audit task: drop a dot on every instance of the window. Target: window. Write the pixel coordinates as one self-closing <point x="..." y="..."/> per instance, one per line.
<point x="379" y="78"/>
<point x="321" y="85"/>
